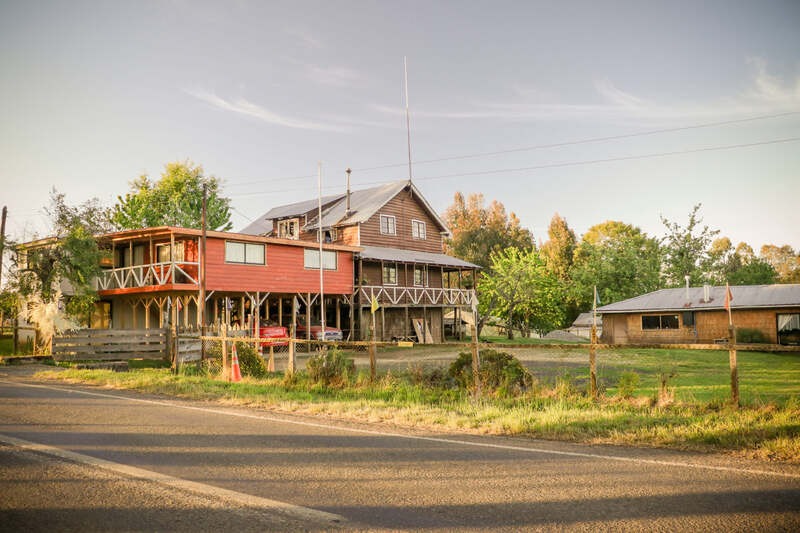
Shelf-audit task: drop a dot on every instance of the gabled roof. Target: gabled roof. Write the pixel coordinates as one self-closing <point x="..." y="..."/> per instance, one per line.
<point x="744" y="297"/>
<point x="585" y="320"/>
<point x="379" y="253"/>
<point x="363" y="205"/>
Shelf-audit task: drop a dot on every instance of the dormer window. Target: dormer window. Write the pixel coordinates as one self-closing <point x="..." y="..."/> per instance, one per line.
<point x="388" y="225"/>
<point x="289" y="228"/>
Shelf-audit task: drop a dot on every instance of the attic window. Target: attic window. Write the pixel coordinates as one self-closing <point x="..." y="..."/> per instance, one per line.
<point x="388" y="225"/>
<point x="289" y="229"/>
<point x="417" y="229"/>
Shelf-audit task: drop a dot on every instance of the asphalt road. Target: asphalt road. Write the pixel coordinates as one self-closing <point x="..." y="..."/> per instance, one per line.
<point x="78" y="458"/>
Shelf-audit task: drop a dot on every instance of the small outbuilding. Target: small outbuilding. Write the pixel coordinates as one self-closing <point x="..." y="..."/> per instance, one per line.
<point x="582" y="326"/>
<point x="770" y="313"/>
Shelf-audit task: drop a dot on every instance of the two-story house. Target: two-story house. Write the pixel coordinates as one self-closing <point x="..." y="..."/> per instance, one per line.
<point x="154" y="278"/>
<point x="399" y="263"/>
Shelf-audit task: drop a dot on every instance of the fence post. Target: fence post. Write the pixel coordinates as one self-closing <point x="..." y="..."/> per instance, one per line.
<point x="734" y="366"/>
<point x="271" y="362"/>
<point x="371" y="350"/>
<point x="476" y="363"/>
<point x="173" y="347"/>
<point x="224" y="332"/>
<point x="292" y="333"/>
<point x="593" y="363"/>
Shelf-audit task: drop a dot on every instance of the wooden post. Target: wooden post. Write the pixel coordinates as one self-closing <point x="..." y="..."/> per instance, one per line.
<point x="280" y="311"/>
<point x="476" y="364"/>
<point x="255" y="312"/>
<point x="593" y="364"/>
<point x="734" y="367"/>
<point x="271" y="361"/>
<point x="308" y="319"/>
<point x="224" y="332"/>
<point x="173" y="347"/>
<point x="292" y="333"/>
<point x="372" y="347"/>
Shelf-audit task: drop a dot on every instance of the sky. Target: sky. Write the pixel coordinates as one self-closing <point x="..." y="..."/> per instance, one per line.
<point x="598" y="111"/>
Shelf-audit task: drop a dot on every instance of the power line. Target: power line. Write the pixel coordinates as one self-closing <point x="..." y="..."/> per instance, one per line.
<point x="566" y="163"/>
<point x="539" y="146"/>
<point x="586" y="141"/>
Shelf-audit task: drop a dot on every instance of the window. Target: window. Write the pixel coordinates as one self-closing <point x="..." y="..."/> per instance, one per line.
<point x="789" y="328"/>
<point x="289" y="229"/>
<point x="162" y="252"/>
<point x="245" y="252"/>
<point x="660" y="322"/>
<point x="417" y="229"/>
<point x="688" y="318"/>
<point x="421" y="276"/>
<point x="311" y="259"/>
<point x="388" y="225"/>
<point x="328" y="235"/>
<point x="390" y="274"/>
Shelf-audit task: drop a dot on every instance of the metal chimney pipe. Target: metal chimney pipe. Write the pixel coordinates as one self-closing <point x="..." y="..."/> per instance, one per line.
<point x="347" y="196"/>
<point x="688" y="298"/>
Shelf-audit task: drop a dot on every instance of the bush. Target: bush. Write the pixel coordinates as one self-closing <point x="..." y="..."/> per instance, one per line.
<point x="499" y="372"/>
<point x="627" y="384"/>
<point x="750" y="336"/>
<point x="429" y="377"/>
<point x="330" y="368"/>
<point x="250" y="362"/>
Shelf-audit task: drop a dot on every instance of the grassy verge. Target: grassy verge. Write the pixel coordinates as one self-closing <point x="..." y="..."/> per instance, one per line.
<point x="556" y="410"/>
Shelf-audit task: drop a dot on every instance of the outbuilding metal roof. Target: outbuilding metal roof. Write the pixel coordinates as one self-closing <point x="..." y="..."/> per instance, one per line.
<point x="378" y="253"/>
<point x="744" y="297"/>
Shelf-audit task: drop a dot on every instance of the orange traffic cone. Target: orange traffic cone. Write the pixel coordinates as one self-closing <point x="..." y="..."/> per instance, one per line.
<point x="236" y="373"/>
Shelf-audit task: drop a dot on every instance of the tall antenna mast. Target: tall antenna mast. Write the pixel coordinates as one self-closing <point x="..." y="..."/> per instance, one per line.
<point x="408" y="120"/>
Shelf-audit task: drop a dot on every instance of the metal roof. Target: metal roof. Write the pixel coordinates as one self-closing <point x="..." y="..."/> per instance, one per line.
<point x="378" y="253"/>
<point x="744" y="297"/>
<point x="584" y="320"/>
<point x="363" y="205"/>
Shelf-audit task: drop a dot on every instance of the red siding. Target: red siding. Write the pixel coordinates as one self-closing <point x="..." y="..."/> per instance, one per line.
<point x="284" y="272"/>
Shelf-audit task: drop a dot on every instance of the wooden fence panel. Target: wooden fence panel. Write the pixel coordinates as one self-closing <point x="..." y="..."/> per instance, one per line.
<point x="110" y="345"/>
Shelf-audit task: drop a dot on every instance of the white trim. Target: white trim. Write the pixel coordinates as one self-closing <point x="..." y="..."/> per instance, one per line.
<point x="394" y="224"/>
<point x="423" y="225"/>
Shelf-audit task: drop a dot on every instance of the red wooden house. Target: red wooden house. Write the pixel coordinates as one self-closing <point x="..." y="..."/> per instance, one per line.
<point x="154" y="278"/>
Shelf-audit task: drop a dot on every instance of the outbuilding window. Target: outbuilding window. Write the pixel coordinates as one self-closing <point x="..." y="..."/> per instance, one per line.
<point x="789" y="328"/>
<point x="660" y="322"/>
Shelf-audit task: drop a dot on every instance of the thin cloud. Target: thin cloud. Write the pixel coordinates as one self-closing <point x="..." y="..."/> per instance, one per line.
<point x="305" y="37"/>
<point x="333" y="76"/>
<point x="250" y="109"/>
<point x="765" y="94"/>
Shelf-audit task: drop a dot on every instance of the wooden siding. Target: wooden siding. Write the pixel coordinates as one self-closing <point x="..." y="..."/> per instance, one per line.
<point x="710" y="326"/>
<point x="348" y="235"/>
<point x="372" y="274"/>
<point x="405" y="208"/>
<point x="283" y="273"/>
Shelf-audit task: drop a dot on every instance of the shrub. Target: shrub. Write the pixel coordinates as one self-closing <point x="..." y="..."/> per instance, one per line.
<point x="750" y="336"/>
<point x="250" y="361"/>
<point x="430" y="377"/>
<point x="499" y="372"/>
<point x="627" y="384"/>
<point x="330" y="368"/>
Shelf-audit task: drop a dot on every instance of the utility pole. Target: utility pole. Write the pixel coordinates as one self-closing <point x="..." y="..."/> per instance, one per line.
<point x="201" y="297"/>
<point x="2" y="242"/>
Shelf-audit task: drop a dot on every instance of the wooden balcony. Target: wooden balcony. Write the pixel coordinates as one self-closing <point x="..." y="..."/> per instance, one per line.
<point x="416" y="296"/>
<point x="152" y="275"/>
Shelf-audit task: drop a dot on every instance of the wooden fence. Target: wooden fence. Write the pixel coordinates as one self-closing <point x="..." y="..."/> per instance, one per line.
<point x="111" y="344"/>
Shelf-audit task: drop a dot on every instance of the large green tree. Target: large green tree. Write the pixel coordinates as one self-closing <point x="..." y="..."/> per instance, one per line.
<point x="477" y="231"/>
<point x="559" y="250"/>
<point x="737" y="266"/>
<point x="522" y="291"/>
<point x="686" y="250"/>
<point x="619" y="259"/>
<point x="174" y="200"/>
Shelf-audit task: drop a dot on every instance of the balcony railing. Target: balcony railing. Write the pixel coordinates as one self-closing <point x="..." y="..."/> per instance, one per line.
<point x="416" y="295"/>
<point x="148" y="275"/>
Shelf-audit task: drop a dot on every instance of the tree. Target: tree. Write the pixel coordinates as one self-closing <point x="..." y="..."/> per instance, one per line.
<point x="784" y="260"/>
<point x="736" y="266"/>
<point x="66" y="263"/>
<point x="521" y="290"/>
<point x="478" y="231"/>
<point x="559" y="250"/>
<point x="174" y="200"/>
<point x="685" y="250"/>
<point x="619" y="259"/>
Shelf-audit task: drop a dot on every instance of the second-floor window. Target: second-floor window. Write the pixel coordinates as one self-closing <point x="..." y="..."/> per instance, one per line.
<point x="163" y="255"/>
<point x="417" y="229"/>
<point x="388" y="225"/>
<point x="311" y="259"/>
<point x="390" y="274"/>
<point x="245" y="253"/>
<point x="289" y="229"/>
<point x="420" y="276"/>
